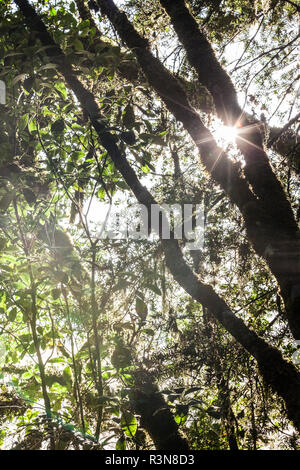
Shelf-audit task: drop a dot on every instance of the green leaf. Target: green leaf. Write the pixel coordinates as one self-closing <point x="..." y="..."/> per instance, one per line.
<point x="122" y="185"/>
<point x="154" y="288"/>
<point x="28" y="83"/>
<point x="141" y="308"/>
<point x="181" y="414"/>
<point x="12" y="314"/>
<point x="58" y="126"/>
<point x="29" y="195"/>
<point x="192" y="390"/>
<point x="128" y="117"/>
<point x="6" y="200"/>
<point x="27" y="375"/>
<point x="67" y="375"/>
<point x="69" y="427"/>
<point x="3" y="243"/>
<point x="129" y="424"/>
<point x="128" y="137"/>
<point x="57" y="360"/>
<point x="60" y="86"/>
<point x="121" y="444"/>
<point x="18" y="78"/>
<point x="158" y="140"/>
<point x="148" y="331"/>
<point x="48" y="66"/>
<point x="214" y="412"/>
<point x="23" y="121"/>
<point x="55" y="293"/>
<point x="32" y="126"/>
<point x="78" y="46"/>
<point x="77" y="127"/>
<point x="31" y="349"/>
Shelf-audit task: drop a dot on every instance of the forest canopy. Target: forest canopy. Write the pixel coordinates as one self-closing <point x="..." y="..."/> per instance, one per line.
<point x="110" y="340"/>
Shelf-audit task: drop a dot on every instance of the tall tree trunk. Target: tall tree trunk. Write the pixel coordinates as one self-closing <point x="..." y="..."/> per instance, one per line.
<point x="278" y="238"/>
<point x="156" y="416"/>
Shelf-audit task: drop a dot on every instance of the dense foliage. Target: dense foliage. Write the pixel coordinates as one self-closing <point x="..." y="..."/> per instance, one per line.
<point x="102" y="344"/>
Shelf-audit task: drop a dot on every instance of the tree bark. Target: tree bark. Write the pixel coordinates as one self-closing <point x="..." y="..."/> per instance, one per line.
<point x="156" y="416"/>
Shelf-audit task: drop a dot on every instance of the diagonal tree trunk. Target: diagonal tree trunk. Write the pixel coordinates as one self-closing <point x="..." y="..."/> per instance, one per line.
<point x="269" y="219"/>
<point x="284" y="142"/>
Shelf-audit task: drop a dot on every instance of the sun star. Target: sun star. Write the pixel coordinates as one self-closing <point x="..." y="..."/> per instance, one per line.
<point x="225" y="134"/>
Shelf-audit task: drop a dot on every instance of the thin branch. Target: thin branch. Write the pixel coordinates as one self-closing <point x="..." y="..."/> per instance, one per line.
<point x="283" y="130"/>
